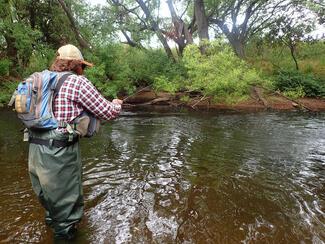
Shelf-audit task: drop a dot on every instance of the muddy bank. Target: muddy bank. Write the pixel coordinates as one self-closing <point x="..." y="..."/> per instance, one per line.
<point x="259" y="100"/>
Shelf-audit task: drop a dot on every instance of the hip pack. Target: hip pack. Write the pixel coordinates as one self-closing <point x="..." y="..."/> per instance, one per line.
<point x="34" y="99"/>
<point x="86" y="124"/>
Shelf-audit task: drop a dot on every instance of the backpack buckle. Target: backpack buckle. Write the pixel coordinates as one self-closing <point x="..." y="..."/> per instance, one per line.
<point x="70" y="139"/>
<point x="70" y="131"/>
<point x="51" y="143"/>
<point x="26" y="135"/>
<point x="62" y="124"/>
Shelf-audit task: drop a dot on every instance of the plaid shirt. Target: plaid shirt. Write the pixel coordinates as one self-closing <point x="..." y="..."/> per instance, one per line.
<point x="78" y="94"/>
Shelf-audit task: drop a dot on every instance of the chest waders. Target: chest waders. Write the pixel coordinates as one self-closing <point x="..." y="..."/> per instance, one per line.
<point x="55" y="170"/>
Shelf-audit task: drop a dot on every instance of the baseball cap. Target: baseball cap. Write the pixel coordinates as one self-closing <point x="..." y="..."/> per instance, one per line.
<point x="71" y="52"/>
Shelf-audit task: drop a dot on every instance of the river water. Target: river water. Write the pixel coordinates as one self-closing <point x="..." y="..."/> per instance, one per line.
<point x="179" y="177"/>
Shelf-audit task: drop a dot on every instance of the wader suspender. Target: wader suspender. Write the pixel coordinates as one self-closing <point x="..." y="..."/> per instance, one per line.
<point x="53" y="142"/>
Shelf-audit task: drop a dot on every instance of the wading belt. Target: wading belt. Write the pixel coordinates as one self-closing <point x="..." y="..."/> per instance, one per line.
<point x="53" y="142"/>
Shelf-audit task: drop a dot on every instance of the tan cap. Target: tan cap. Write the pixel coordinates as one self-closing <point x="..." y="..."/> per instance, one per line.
<point x="71" y="52"/>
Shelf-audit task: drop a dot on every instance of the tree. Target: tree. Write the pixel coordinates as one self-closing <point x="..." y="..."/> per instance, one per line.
<point x="180" y="33"/>
<point x="30" y="26"/>
<point x="153" y="24"/>
<point x="17" y="34"/>
<point x="138" y="16"/>
<point x="201" y="21"/>
<point x="318" y="7"/>
<point x="290" y="30"/>
<point x="134" y="17"/>
<point x="239" y="20"/>
<point x="82" y="42"/>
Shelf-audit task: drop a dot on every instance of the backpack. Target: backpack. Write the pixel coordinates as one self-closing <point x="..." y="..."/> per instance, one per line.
<point x="34" y="99"/>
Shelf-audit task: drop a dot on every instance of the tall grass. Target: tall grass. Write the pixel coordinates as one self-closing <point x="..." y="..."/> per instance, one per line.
<point x="272" y="58"/>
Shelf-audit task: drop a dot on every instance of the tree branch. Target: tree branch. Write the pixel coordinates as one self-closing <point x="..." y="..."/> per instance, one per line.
<point x="82" y="42"/>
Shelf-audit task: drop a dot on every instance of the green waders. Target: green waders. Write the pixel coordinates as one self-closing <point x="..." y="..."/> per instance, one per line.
<point x="56" y="179"/>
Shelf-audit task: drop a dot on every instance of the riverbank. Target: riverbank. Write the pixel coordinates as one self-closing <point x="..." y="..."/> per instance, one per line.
<point x="259" y="100"/>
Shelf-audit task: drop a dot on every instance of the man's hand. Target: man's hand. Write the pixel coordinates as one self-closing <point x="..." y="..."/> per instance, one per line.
<point x="117" y="101"/>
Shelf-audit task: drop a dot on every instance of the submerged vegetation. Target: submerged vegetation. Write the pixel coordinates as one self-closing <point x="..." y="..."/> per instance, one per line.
<point x="272" y="52"/>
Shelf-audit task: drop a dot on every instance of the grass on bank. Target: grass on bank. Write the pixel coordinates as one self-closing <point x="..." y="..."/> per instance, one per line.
<point x="276" y="63"/>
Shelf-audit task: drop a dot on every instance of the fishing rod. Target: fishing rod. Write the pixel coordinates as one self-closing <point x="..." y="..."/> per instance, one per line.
<point x="137" y="92"/>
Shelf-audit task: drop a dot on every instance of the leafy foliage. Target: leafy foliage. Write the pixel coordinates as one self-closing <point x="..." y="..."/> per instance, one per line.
<point x="26" y="26"/>
<point x="219" y="73"/>
<point x="162" y="83"/>
<point x="121" y="69"/>
<point x="31" y="31"/>
<point x="40" y="59"/>
<point x="295" y="83"/>
<point x="6" y="90"/>
<point x="4" y="67"/>
<point x="295" y="93"/>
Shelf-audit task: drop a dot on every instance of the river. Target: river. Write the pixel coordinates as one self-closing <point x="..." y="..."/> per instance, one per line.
<point x="180" y="177"/>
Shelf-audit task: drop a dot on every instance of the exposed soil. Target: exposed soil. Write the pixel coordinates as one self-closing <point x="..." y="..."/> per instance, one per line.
<point x="260" y="99"/>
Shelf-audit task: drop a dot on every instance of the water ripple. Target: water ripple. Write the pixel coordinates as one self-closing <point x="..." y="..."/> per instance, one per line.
<point x="186" y="178"/>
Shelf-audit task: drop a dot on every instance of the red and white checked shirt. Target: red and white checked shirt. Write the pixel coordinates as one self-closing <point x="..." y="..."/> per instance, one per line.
<point x="78" y="94"/>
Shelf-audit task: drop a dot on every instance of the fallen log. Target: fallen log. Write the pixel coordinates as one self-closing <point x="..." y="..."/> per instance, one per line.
<point x="260" y="97"/>
<point x="295" y="103"/>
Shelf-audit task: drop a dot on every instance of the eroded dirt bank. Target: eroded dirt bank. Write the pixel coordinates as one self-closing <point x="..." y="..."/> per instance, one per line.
<point x="259" y="100"/>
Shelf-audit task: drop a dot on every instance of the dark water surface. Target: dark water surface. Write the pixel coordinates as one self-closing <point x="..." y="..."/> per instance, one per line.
<point x="183" y="178"/>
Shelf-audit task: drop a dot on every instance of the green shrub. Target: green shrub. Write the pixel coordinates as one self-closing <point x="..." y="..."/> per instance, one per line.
<point x="219" y="73"/>
<point x="300" y="83"/>
<point x="109" y="88"/>
<point x="123" y="68"/>
<point x="185" y="98"/>
<point x="162" y="83"/>
<point x="4" y="67"/>
<point x="295" y="93"/>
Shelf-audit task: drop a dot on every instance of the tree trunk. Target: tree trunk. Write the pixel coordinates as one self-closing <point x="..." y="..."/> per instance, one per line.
<point x="155" y="27"/>
<point x="181" y="34"/>
<point x="32" y="14"/>
<point x="292" y="51"/>
<point x="238" y="47"/>
<point x="129" y="40"/>
<point x="237" y="43"/>
<point x="163" y="41"/>
<point x="201" y="20"/>
<point x="82" y="42"/>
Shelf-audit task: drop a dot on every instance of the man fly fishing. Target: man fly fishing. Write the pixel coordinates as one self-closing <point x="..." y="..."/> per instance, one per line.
<point x="58" y="106"/>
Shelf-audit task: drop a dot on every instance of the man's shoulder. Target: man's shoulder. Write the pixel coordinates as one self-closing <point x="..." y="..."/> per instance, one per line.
<point x="82" y="80"/>
<point x="75" y="78"/>
<point x="78" y="82"/>
<point x="78" y="77"/>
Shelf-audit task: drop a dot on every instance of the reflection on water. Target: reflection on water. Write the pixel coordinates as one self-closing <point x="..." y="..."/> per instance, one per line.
<point x="187" y="178"/>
